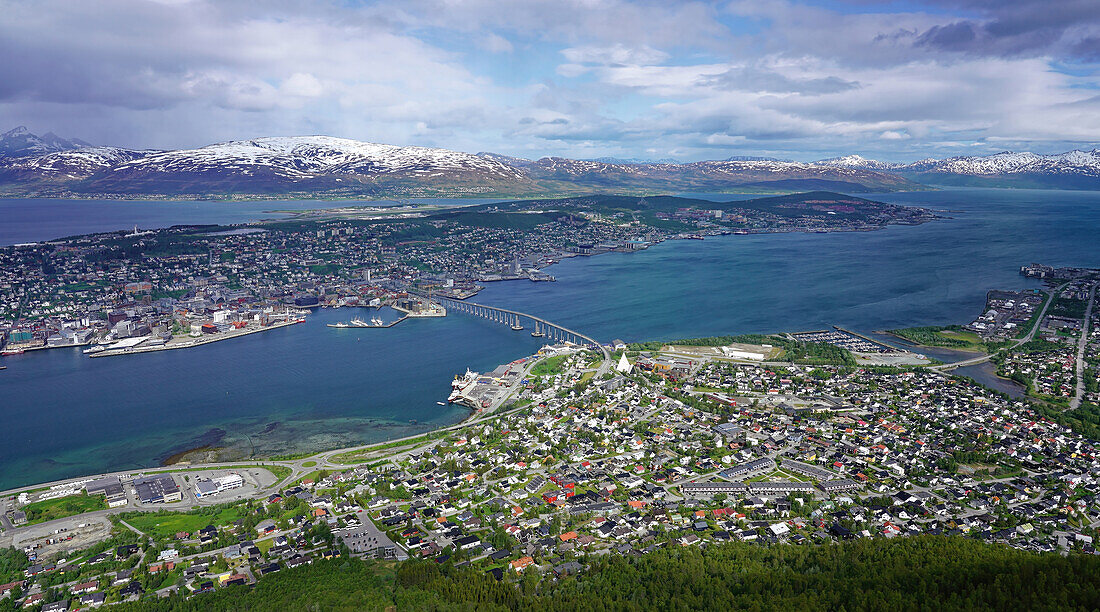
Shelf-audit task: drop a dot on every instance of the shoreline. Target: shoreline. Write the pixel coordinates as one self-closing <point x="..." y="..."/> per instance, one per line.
<point x="193" y="344"/>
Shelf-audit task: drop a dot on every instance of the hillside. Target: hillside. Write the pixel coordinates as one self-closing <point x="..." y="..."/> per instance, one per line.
<point x="1070" y="170"/>
<point x="923" y="572"/>
<point x="323" y="166"/>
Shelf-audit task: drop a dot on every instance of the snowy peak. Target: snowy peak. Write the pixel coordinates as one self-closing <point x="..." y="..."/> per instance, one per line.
<point x="854" y="161"/>
<point x="20" y="142"/>
<point x="1004" y="163"/>
<point x="304" y="157"/>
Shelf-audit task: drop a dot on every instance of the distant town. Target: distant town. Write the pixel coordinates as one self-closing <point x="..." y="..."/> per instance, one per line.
<point x="135" y="291"/>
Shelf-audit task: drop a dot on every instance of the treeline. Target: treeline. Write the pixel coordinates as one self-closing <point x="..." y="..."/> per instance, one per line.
<point x="918" y="573"/>
<point x="929" y="336"/>
<point x="1085" y="420"/>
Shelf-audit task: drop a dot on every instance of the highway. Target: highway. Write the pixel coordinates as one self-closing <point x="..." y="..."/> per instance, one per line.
<point x="389" y="449"/>
<point x="1082" y="342"/>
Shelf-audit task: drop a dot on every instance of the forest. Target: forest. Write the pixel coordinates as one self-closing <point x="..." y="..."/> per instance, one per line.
<point x="916" y="573"/>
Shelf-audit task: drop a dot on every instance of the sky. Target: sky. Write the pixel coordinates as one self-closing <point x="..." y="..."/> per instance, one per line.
<point x="805" y="80"/>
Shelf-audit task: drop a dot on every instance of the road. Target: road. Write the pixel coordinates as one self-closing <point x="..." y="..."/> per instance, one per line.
<point x="1030" y="335"/>
<point x="298" y="468"/>
<point x="1082" y="342"/>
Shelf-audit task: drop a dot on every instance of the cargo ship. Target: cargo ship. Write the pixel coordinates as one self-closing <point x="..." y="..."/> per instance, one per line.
<point x="461" y="384"/>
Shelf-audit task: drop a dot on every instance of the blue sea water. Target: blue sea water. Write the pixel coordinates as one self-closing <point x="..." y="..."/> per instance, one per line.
<point x="309" y="387"/>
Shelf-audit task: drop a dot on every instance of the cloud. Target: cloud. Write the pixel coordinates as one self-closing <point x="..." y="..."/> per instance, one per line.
<point x="495" y="43"/>
<point x="570" y="77"/>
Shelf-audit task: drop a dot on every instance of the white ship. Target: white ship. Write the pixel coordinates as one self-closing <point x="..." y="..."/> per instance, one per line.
<point x="461" y="385"/>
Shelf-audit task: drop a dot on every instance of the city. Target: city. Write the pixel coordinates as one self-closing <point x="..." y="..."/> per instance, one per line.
<point x="553" y="305"/>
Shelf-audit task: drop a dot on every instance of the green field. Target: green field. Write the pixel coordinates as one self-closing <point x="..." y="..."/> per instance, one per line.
<point x="167" y="524"/>
<point x="950" y="336"/>
<point x="1067" y="307"/>
<point x="549" y="366"/>
<point x="40" y="512"/>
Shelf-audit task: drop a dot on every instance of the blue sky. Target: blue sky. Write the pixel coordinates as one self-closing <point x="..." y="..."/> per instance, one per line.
<point x="579" y="78"/>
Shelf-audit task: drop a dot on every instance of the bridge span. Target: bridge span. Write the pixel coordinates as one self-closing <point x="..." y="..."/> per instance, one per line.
<point x="521" y="320"/>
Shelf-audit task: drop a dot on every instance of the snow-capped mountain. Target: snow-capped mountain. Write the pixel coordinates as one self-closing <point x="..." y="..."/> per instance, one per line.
<point x="324" y="165"/>
<point x="76" y="163"/>
<point x="856" y="161"/>
<point x="1071" y="170"/>
<point x="715" y="175"/>
<point x="19" y="142"/>
<point x="305" y="157"/>
<point x="634" y="160"/>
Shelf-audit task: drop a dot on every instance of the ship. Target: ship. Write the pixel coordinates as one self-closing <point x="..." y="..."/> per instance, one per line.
<point x="11" y="352"/>
<point x="461" y="384"/>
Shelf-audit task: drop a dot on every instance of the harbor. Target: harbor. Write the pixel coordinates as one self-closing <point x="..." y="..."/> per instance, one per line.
<point x="148" y="344"/>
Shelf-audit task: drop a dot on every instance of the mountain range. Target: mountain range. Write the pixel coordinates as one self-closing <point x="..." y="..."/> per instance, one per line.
<point x="1071" y="170"/>
<point x="324" y="166"/>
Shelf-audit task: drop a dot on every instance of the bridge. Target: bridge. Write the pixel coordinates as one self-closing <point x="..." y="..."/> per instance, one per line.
<point x="540" y="327"/>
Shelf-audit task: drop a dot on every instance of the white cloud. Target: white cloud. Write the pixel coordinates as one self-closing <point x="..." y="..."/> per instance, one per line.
<point x="568" y="77"/>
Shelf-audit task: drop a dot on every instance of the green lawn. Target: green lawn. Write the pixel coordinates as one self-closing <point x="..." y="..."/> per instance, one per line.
<point x="549" y="366"/>
<point x="166" y="525"/>
<point x="951" y="336"/>
<point x="40" y="512"/>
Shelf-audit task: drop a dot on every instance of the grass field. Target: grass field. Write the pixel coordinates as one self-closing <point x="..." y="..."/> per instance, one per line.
<point x="951" y="336"/>
<point x="360" y="456"/>
<point x="549" y="366"/>
<point x="40" y="512"/>
<point x="168" y="525"/>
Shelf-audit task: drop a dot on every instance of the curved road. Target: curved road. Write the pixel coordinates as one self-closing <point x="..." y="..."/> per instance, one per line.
<point x="1030" y="335"/>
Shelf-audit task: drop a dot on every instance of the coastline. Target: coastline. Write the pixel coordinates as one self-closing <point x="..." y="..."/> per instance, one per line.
<point x="202" y="341"/>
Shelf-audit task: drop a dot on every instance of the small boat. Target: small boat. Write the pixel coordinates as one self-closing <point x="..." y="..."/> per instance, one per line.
<point x="6" y="367"/>
<point x="339" y="325"/>
<point x="359" y="323"/>
<point x="442" y="403"/>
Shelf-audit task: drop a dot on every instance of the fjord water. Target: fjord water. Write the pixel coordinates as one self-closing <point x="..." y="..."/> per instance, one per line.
<point x="309" y="387"/>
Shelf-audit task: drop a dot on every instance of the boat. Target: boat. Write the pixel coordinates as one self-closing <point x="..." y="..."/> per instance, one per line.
<point x="6" y="367"/>
<point x="359" y="323"/>
<point x="339" y="325"/>
<point x="377" y="321"/>
<point x="11" y="352"/>
<point x="99" y="348"/>
<point x="442" y="403"/>
<point x="461" y="385"/>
